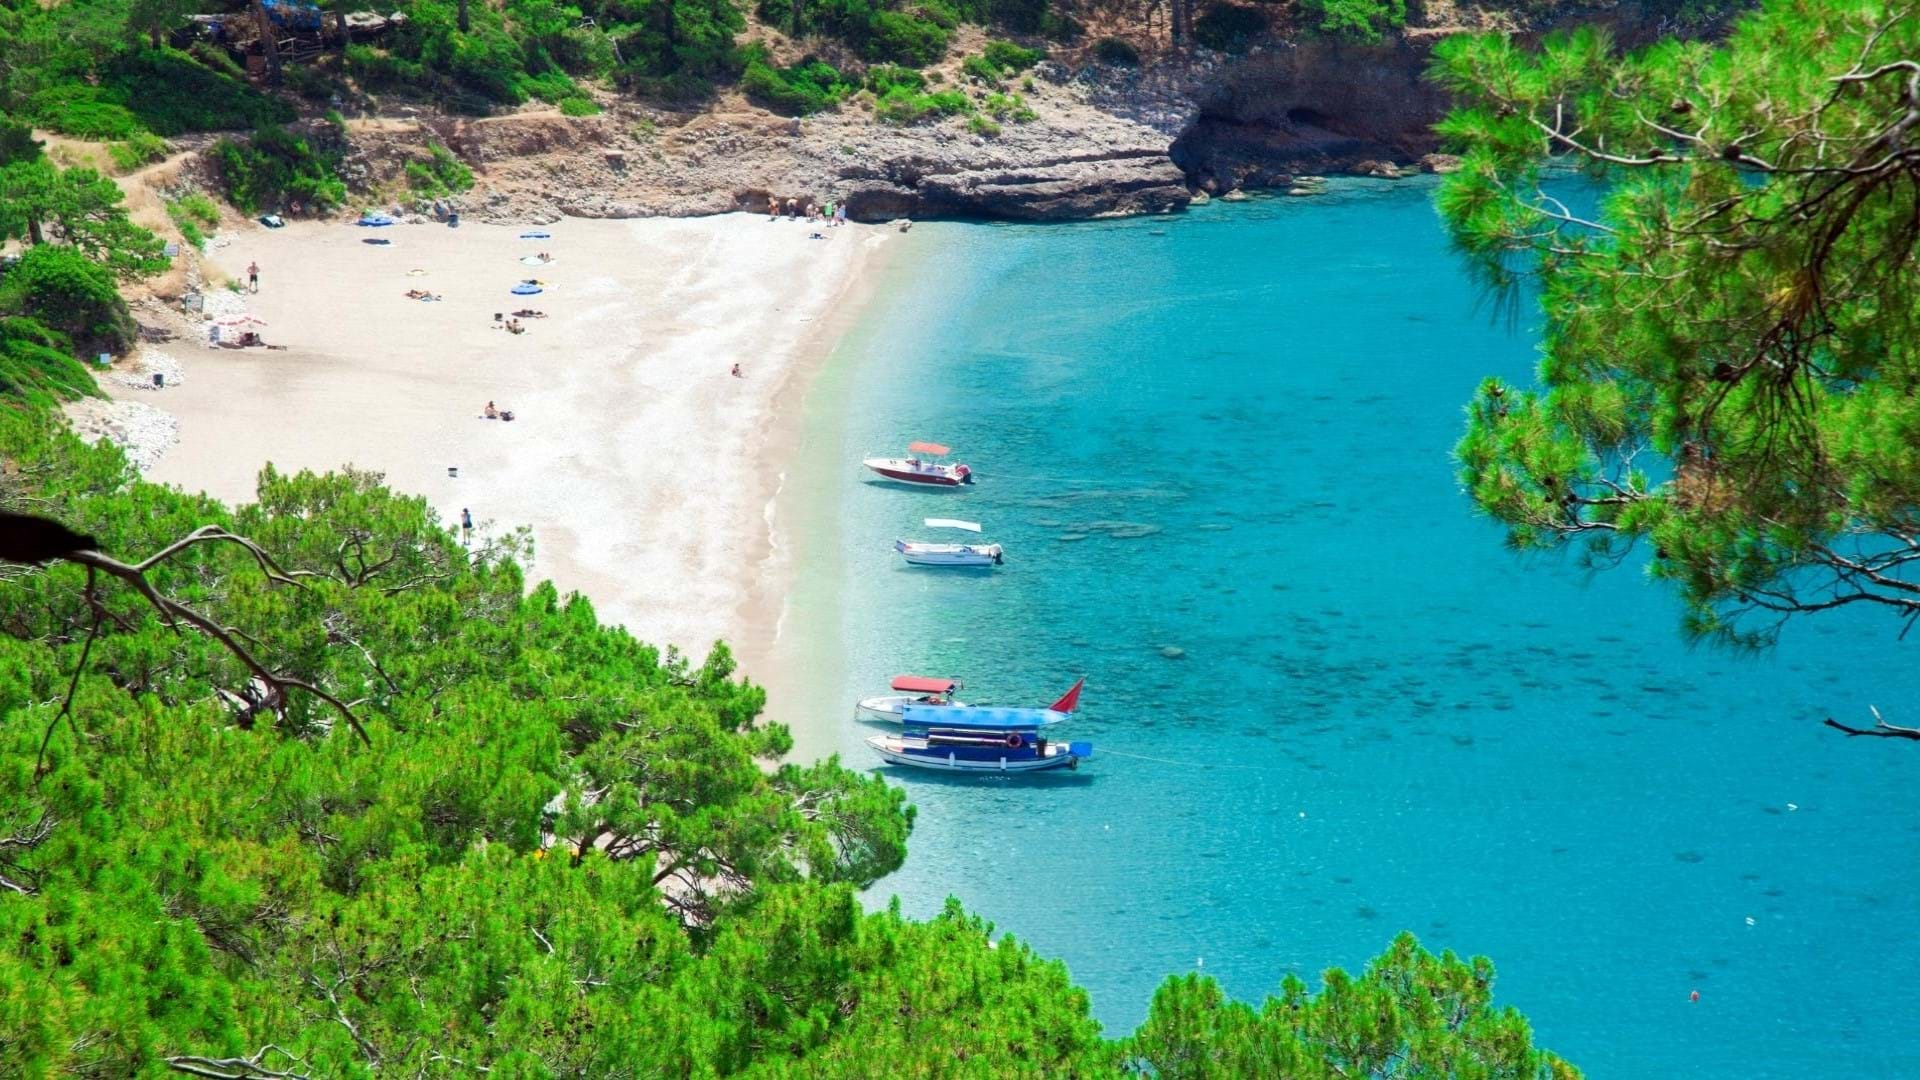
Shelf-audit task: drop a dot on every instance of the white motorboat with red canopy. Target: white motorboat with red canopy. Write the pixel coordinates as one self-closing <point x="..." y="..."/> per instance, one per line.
<point x="912" y="690"/>
<point x="915" y="469"/>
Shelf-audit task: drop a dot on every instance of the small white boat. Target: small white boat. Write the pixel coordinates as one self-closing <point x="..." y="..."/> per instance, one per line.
<point x="918" y="471"/>
<point x="920" y="554"/>
<point x="913" y="690"/>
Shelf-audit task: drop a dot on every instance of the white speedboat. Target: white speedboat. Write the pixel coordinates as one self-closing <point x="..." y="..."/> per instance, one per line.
<point x="913" y="690"/>
<point x="920" y="554"/>
<point x="915" y="469"/>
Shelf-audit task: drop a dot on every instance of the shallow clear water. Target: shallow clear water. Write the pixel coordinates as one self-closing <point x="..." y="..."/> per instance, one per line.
<point x="1227" y="434"/>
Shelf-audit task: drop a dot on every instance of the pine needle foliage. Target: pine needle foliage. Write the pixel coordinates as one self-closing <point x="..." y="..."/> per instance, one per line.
<point x="1731" y="359"/>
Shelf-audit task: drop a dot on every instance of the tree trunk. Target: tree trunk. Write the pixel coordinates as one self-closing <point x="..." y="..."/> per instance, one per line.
<point x="34" y="232"/>
<point x="153" y="35"/>
<point x="268" y="42"/>
<point x="1182" y="19"/>
<point x="464" y="27"/>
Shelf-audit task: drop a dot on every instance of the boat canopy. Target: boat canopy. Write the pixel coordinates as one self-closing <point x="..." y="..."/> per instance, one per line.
<point x="933" y="448"/>
<point x="977" y="717"/>
<point x="924" y="684"/>
<point x="953" y="523"/>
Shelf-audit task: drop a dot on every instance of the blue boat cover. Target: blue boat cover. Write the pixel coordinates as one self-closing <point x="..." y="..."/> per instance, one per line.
<point x="975" y="716"/>
<point x="526" y="290"/>
<point x="536" y="236"/>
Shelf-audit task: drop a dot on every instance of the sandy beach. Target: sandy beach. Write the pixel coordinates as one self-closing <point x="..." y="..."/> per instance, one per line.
<point x="646" y="472"/>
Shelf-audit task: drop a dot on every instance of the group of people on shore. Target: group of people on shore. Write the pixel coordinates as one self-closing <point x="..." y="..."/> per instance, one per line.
<point x="830" y="214"/>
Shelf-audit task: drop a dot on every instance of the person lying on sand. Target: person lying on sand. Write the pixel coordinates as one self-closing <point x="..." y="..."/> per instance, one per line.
<point x="514" y="327"/>
<point x="529" y="313"/>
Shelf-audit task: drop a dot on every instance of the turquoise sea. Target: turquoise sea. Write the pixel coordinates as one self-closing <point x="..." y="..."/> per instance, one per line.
<point x="1327" y="704"/>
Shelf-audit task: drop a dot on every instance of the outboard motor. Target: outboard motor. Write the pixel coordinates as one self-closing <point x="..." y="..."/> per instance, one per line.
<point x="966" y="474"/>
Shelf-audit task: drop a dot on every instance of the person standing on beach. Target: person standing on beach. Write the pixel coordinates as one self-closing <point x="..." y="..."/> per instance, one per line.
<point x="773" y="208"/>
<point x="253" y="277"/>
<point x="840" y="214"/>
<point x="793" y="207"/>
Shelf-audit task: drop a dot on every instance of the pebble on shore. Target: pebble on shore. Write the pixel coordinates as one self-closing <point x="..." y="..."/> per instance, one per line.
<point x="139" y="429"/>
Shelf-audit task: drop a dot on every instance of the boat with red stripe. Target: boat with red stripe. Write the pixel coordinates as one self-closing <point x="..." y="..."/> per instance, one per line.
<point x="919" y="469"/>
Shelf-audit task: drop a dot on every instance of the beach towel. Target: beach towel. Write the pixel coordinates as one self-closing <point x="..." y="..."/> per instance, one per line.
<point x="374" y="220"/>
<point x="535" y="260"/>
<point x="536" y="236"/>
<point x="526" y="290"/>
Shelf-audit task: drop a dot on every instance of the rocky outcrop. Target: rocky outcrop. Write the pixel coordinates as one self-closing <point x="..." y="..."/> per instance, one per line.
<point x="1310" y="108"/>
<point x="1071" y="161"/>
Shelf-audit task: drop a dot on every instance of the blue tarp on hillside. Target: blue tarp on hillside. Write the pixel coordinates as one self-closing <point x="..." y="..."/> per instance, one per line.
<point x="293" y="13"/>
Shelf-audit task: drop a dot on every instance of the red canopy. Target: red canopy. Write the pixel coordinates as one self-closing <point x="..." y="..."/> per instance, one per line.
<point x="923" y="684"/>
<point x="933" y="448"/>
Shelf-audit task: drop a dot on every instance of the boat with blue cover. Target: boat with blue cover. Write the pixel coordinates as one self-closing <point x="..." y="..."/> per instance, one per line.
<point x="972" y="738"/>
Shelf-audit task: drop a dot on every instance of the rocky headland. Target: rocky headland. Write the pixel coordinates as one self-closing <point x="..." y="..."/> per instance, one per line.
<point x="1102" y="140"/>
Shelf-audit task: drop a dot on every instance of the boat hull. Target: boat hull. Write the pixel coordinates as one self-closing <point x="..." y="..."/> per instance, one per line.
<point x="974" y="555"/>
<point x="891" y="708"/>
<point x="976" y="561"/>
<point x="919" y="755"/>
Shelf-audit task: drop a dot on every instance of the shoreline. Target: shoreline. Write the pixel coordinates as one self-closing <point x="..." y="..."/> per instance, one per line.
<point x="761" y="646"/>
<point x="636" y="465"/>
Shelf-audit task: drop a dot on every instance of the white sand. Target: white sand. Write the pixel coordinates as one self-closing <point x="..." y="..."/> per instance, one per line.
<point x="645" y="471"/>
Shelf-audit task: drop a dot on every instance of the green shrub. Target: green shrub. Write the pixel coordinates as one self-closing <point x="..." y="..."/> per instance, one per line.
<point x="978" y="67"/>
<point x="1117" y="52"/>
<point x="579" y="106"/>
<point x="1360" y="21"/>
<point x="904" y="39"/>
<point x="171" y="94"/>
<point x="276" y="168"/>
<point x="63" y="290"/>
<point x="884" y="77"/>
<point x="806" y="88"/>
<point x="83" y="111"/>
<point x="1230" y="28"/>
<point x="142" y="148"/>
<point x="1011" y="58"/>
<point x="377" y="69"/>
<point x="37" y="364"/>
<point x="310" y="83"/>
<point x="552" y="87"/>
<point x="1009" y="107"/>
<point x="981" y="125"/>
<point x="217" y="59"/>
<point x="440" y="175"/>
<point x="903" y="106"/>
<point x="193" y="215"/>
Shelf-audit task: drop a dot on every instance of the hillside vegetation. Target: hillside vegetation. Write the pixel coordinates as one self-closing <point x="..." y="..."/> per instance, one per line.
<point x="308" y="787"/>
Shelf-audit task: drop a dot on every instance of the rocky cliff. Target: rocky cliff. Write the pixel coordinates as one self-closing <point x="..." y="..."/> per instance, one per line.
<point x="1102" y="141"/>
<point x="1324" y="107"/>
<point x="1073" y="160"/>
